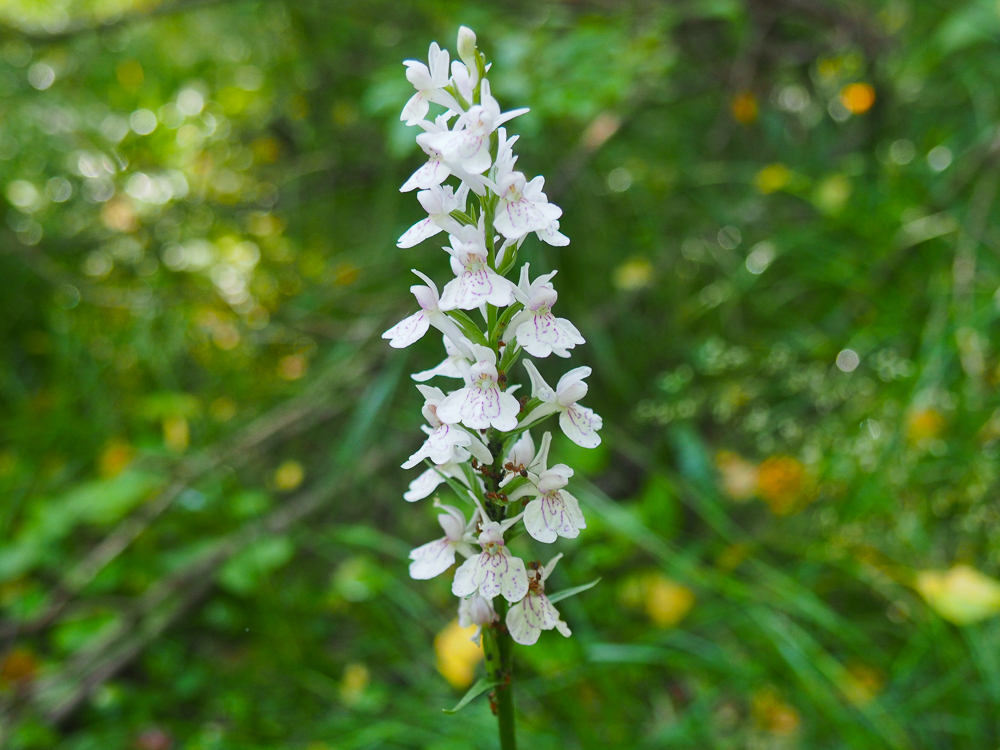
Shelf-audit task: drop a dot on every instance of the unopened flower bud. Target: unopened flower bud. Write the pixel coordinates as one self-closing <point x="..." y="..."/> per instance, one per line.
<point x="467" y="48"/>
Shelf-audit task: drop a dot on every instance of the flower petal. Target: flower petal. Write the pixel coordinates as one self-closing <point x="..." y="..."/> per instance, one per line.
<point x="419" y="232"/>
<point x="408" y="330"/>
<point x="423" y="486"/>
<point x="521" y="630"/>
<point x="464" y="583"/>
<point x="580" y="425"/>
<point x="432" y="559"/>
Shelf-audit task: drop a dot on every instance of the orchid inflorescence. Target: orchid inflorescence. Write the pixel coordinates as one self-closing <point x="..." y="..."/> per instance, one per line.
<point x="478" y="437"/>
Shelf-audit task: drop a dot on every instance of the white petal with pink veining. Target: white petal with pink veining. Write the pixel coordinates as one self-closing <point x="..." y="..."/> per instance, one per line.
<point x="408" y="330"/>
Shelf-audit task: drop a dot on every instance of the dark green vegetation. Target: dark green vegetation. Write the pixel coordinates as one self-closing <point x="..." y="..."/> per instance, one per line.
<point x="202" y="535"/>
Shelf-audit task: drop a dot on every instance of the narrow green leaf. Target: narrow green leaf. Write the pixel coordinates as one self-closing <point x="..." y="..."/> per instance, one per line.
<point x="566" y="593"/>
<point x="481" y="686"/>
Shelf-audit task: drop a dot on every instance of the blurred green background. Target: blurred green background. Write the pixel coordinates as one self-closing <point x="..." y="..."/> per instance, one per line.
<point x="785" y="253"/>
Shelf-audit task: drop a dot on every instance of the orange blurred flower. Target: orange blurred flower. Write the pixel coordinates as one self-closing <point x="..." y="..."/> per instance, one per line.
<point x="19" y="667"/>
<point x="924" y="424"/>
<point x="857" y="98"/>
<point x="782" y="483"/>
<point x="744" y="108"/>
<point x="773" y="714"/>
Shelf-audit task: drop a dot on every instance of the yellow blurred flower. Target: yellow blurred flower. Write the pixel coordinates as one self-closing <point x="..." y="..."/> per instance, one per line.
<point x="924" y="424"/>
<point x="782" y="483"/>
<point x="176" y="434"/>
<point x="772" y="178"/>
<point x="732" y="555"/>
<point x="773" y="714"/>
<point x="292" y="367"/>
<point x="129" y="74"/>
<point x="266" y="150"/>
<point x="832" y="194"/>
<point x="222" y="409"/>
<point x="289" y="475"/>
<point x="857" y="98"/>
<point x="961" y="595"/>
<point x="117" y="454"/>
<point x="119" y="216"/>
<point x="863" y="683"/>
<point x="346" y="274"/>
<point x="18" y="667"/>
<point x="744" y="108"/>
<point x="352" y="685"/>
<point x="457" y="655"/>
<point x="739" y="476"/>
<point x="633" y="274"/>
<point x="665" y="601"/>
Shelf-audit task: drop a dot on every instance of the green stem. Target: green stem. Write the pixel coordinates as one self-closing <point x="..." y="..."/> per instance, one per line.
<point x="499" y="659"/>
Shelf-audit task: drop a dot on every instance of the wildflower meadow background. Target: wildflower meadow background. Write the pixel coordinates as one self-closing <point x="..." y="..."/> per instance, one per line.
<point x="785" y="261"/>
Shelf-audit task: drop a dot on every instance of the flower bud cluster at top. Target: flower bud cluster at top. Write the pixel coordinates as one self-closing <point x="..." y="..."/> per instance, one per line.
<point x="478" y="439"/>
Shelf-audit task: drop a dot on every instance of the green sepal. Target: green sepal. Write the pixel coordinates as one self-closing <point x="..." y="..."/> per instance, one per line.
<point x="491" y="323"/>
<point x="510" y="263"/>
<point x="468" y="327"/>
<point x="508" y="314"/>
<point x="464" y="493"/>
<point x="482" y="685"/>
<point x="565" y="594"/>
<point x="516" y="482"/>
<point x="529" y="407"/>
<point x="463" y="218"/>
<point x="458" y="97"/>
<point x="470" y="477"/>
<point x="510" y="354"/>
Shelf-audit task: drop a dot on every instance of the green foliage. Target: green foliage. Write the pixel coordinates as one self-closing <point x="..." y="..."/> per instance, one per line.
<point x="784" y="259"/>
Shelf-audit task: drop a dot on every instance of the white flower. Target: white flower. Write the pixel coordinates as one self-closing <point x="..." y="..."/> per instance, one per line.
<point x="434" y="558"/>
<point x="434" y="172"/>
<point x="538" y="331"/>
<point x="553" y="512"/>
<point x="438" y="202"/>
<point x="413" y="328"/>
<point x="468" y="145"/>
<point x="455" y="364"/>
<point x="481" y="404"/>
<point x="446" y="443"/>
<point x="523" y="207"/>
<point x="475" y="283"/>
<point x="476" y="611"/>
<point x="529" y="617"/>
<point x="522" y="454"/>
<point x="494" y="571"/>
<point x="579" y="423"/>
<point x="429" y="82"/>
